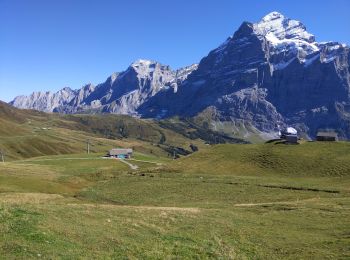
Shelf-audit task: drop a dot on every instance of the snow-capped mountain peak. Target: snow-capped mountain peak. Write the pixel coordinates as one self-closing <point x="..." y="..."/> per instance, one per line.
<point x="143" y="62"/>
<point x="146" y="68"/>
<point x="288" y="40"/>
<point x="272" y="16"/>
<point x="276" y="25"/>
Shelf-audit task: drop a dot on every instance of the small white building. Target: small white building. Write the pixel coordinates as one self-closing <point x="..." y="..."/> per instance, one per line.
<point x="290" y="134"/>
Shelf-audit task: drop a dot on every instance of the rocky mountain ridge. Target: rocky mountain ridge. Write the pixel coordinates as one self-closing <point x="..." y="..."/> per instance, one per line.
<point x="121" y="93"/>
<point x="265" y="75"/>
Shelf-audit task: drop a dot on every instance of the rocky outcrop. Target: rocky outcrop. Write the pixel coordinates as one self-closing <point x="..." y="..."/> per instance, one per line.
<point x="45" y="101"/>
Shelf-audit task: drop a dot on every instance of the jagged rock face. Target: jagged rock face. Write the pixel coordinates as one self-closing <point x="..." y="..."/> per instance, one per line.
<point x="238" y="64"/>
<point x="143" y="80"/>
<point x="309" y="80"/>
<point x="249" y="104"/>
<point x="44" y="101"/>
<point x="140" y="82"/>
<point x="267" y="74"/>
<point x="121" y="93"/>
<point x="298" y="64"/>
<point x="181" y="75"/>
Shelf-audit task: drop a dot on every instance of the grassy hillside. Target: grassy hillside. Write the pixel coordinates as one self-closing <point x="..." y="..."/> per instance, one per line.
<point x="307" y="159"/>
<point x="265" y="201"/>
<point x="27" y="133"/>
<point x="235" y="128"/>
<point x="23" y="133"/>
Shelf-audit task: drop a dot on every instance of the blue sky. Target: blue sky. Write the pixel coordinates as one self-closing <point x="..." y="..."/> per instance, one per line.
<point x="47" y="45"/>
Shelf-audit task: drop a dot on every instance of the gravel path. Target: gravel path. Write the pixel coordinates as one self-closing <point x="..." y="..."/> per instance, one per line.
<point x="132" y="166"/>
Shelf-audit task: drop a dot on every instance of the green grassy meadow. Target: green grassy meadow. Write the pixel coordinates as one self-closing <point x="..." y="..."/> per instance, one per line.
<point x="232" y="201"/>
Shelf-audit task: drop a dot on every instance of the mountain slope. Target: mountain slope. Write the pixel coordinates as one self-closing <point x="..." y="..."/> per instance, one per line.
<point x="29" y="133"/>
<point x="267" y="74"/>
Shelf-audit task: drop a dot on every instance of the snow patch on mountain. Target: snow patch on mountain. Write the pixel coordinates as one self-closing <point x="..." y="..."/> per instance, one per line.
<point x="287" y="39"/>
<point x="283" y="28"/>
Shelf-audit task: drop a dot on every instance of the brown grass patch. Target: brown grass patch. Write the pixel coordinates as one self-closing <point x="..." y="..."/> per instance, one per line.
<point x="177" y="209"/>
<point x="32" y="198"/>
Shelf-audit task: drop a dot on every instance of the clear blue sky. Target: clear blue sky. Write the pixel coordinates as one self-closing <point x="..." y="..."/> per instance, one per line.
<point x="50" y="44"/>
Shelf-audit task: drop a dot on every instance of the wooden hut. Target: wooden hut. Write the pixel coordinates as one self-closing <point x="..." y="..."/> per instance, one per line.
<point x="329" y="136"/>
<point x="121" y="153"/>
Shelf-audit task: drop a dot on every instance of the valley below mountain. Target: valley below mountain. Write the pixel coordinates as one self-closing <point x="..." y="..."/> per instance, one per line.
<point x="235" y="156"/>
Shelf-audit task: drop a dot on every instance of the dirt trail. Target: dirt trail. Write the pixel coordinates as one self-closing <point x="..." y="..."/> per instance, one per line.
<point x="44" y="198"/>
<point x="57" y="159"/>
<point x="132" y="166"/>
<point x="273" y="203"/>
<point x="136" y="160"/>
<point x="191" y="210"/>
